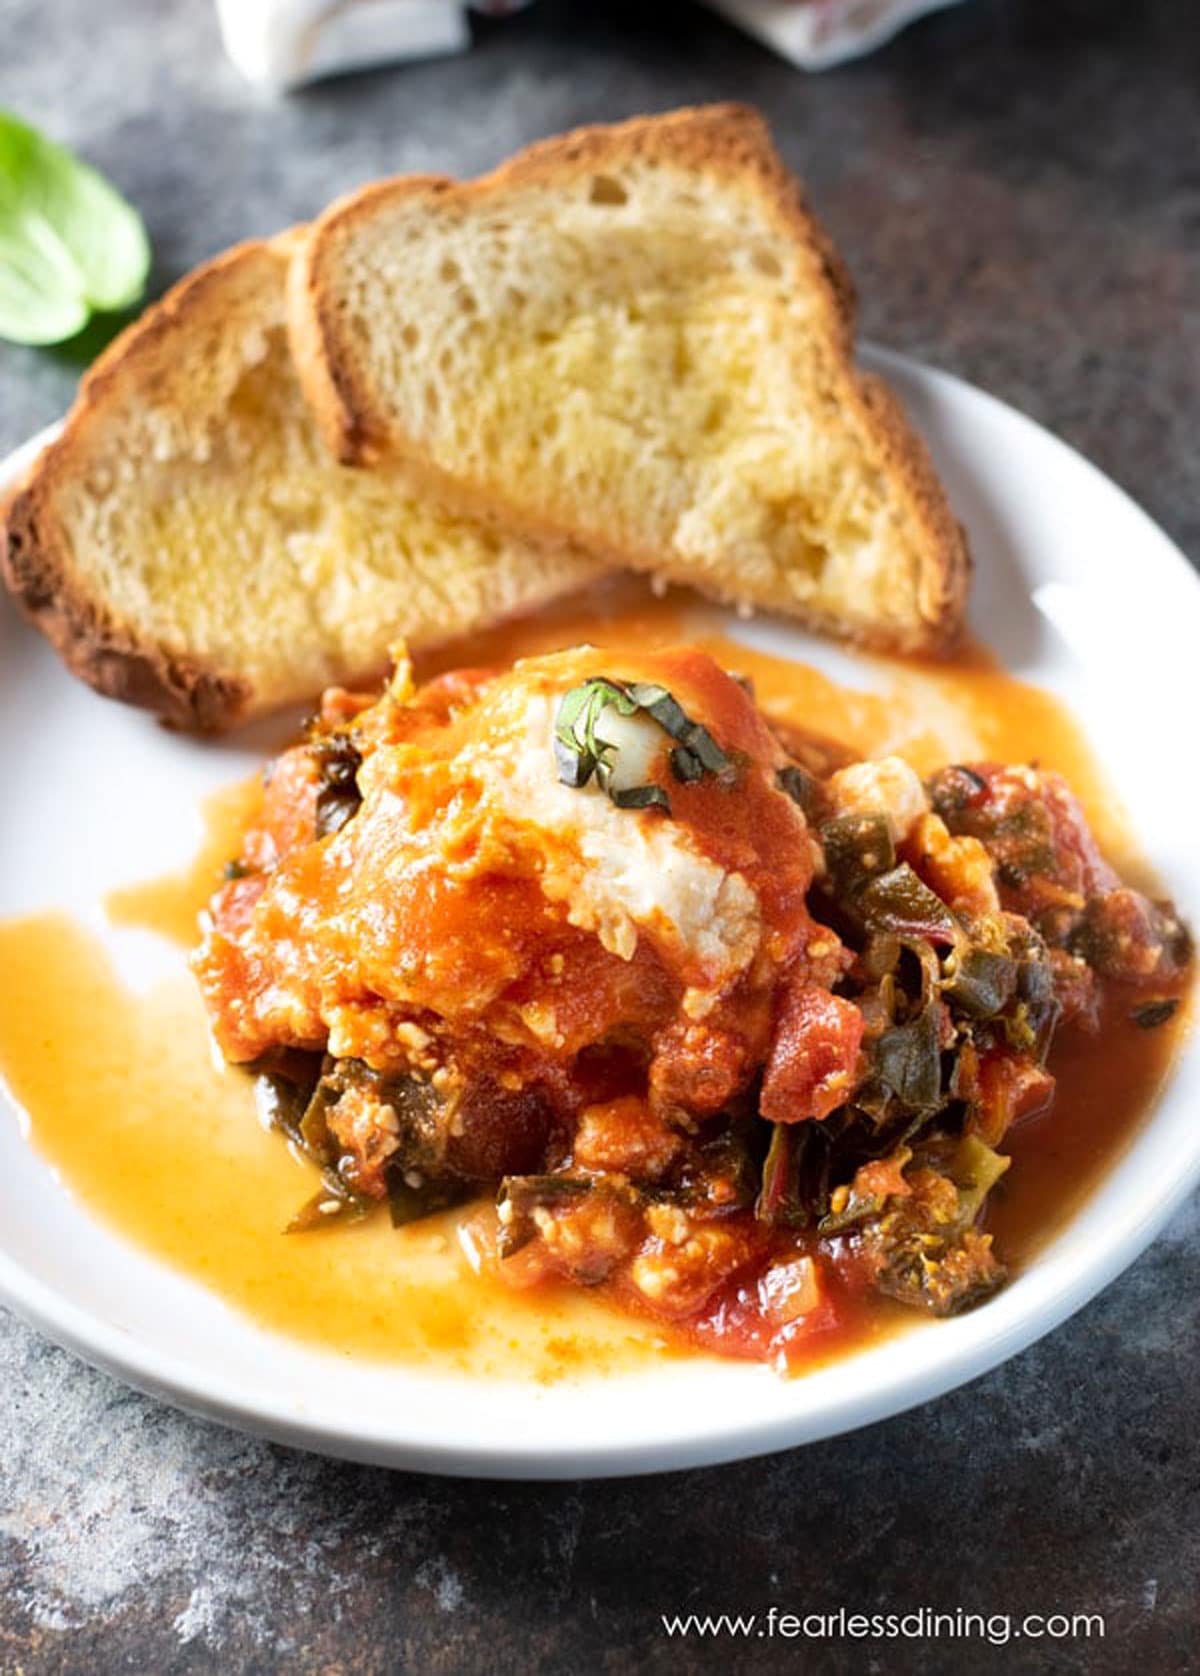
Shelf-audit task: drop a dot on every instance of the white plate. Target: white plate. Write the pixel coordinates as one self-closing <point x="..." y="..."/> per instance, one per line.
<point x="1076" y="589"/>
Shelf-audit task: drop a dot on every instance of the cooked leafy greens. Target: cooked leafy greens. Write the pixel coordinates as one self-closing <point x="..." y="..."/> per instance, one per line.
<point x="338" y="797"/>
<point x="294" y="1091"/>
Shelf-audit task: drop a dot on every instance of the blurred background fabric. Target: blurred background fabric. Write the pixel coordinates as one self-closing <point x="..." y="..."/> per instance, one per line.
<point x="817" y="34"/>
<point x="285" y="43"/>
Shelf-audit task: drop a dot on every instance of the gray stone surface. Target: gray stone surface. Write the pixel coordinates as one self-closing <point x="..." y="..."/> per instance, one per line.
<point x="1017" y="187"/>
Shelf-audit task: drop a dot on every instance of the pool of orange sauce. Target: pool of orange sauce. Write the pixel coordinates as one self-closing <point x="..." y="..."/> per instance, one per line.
<point x="125" y="1100"/>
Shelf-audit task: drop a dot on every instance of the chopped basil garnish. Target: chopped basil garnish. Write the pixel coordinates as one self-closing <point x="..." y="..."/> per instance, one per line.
<point x="686" y="765"/>
<point x="641" y="797"/>
<point x="580" y="752"/>
<point x="574" y="766"/>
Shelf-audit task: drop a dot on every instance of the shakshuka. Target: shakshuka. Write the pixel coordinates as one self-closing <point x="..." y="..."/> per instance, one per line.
<point x="700" y="1010"/>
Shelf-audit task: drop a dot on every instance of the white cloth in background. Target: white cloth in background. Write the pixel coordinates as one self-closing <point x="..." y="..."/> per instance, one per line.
<point x="816" y="34"/>
<point x="284" y="43"/>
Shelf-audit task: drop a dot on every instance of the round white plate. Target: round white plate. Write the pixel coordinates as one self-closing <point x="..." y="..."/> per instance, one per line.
<point x="1075" y="589"/>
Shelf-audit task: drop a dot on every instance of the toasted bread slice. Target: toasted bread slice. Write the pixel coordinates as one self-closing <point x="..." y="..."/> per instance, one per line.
<point x="190" y="545"/>
<point x="639" y="338"/>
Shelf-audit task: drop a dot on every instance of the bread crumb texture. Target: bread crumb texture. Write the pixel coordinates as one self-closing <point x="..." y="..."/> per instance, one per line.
<point x="192" y="544"/>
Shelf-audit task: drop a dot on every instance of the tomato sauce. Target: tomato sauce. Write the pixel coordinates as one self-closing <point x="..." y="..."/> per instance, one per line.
<point x="125" y="1102"/>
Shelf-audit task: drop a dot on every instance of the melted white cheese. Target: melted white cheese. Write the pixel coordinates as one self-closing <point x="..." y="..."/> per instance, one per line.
<point x="880" y="786"/>
<point x="638" y="744"/>
<point x="620" y="871"/>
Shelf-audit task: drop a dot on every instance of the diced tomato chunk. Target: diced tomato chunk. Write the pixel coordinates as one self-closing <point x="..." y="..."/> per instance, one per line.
<point x="289" y="809"/>
<point x="813" y="1058"/>
<point x="755" y="1317"/>
<point x="1011" y="1086"/>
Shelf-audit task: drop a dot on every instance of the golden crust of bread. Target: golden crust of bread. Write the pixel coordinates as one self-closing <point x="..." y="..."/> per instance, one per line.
<point x="730" y="141"/>
<point x="100" y="642"/>
<point x="449" y="574"/>
<point x="946" y="579"/>
<point x="35" y="559"/>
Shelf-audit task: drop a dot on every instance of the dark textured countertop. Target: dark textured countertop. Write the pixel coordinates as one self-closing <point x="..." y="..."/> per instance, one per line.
<point x="1017" y="189"/>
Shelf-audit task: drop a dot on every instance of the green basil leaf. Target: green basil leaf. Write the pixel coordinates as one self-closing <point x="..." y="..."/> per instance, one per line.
<point x="641" y="797"/>
<point x="686" y="765"/>
<point x="580" y="752"/>
<point x="69" y="243"/>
